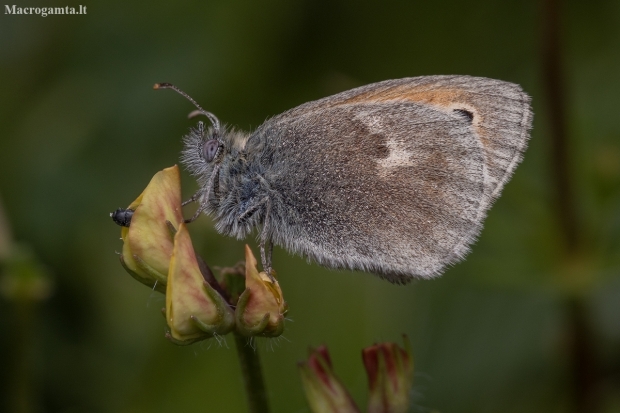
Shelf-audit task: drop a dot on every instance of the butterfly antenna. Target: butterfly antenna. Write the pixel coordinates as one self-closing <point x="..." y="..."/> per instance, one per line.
<point x="211" y="116"/>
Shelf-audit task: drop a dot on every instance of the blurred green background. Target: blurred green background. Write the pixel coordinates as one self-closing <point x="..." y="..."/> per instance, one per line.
<point x="530" y="322"/>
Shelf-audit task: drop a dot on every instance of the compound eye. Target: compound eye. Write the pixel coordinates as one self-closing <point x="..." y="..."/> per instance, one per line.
<point x="209" y="150"/>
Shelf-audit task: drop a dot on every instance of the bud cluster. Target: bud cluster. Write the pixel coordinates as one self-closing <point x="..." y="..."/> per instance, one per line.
<point x="158" y="252"/>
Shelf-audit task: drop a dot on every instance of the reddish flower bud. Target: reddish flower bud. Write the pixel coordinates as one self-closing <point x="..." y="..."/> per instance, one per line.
<point x="324" y="392"/>
<point x="390" y="376"/>
<point x="194" y="310"/>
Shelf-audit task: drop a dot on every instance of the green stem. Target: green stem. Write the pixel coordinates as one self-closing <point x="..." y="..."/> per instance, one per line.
<point x="252" y="376"/>
<point x="587" y="378"/>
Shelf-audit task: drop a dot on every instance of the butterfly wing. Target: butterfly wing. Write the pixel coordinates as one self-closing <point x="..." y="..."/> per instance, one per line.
<point x="395" y="177"/>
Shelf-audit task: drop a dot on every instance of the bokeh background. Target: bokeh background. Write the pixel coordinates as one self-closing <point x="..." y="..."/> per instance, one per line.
<point x="530" y="322"/>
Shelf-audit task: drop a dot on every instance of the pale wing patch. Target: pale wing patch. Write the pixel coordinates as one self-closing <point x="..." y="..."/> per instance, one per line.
<point x="398" y="155"/>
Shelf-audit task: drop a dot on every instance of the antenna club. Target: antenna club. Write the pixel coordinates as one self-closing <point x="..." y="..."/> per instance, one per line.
<point x="162" y="86"/>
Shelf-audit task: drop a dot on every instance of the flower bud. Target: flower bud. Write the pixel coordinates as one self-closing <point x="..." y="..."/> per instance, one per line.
<point x="324" y="392"/>
<point x="261" y="307"/>
<point x="390" y="376"/>
<point x="194" y="310"/>
<point x="148" y="238"/>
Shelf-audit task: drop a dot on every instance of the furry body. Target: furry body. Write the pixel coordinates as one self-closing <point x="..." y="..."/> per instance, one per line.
<point x="393" y="178"/>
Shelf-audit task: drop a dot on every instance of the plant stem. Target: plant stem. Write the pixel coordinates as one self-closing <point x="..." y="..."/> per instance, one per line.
<point x="586" y="375"/>
<point x="252" y="376"/>
<point x="553" y="78"/>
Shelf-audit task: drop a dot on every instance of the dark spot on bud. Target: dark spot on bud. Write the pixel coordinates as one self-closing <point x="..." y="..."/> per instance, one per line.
<point x="465" y="113"/>
<point x="122" y="216"/>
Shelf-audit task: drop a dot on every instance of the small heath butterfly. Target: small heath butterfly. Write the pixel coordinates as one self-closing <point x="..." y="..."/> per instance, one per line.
<point x="393" y="178"/>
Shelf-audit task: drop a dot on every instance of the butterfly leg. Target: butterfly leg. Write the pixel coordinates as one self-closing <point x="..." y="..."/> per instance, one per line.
<point x="266" y="241"/>
<point x="194" y="198"/>
<point x="250" y="211"/>
<point x="265" y="257"/>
